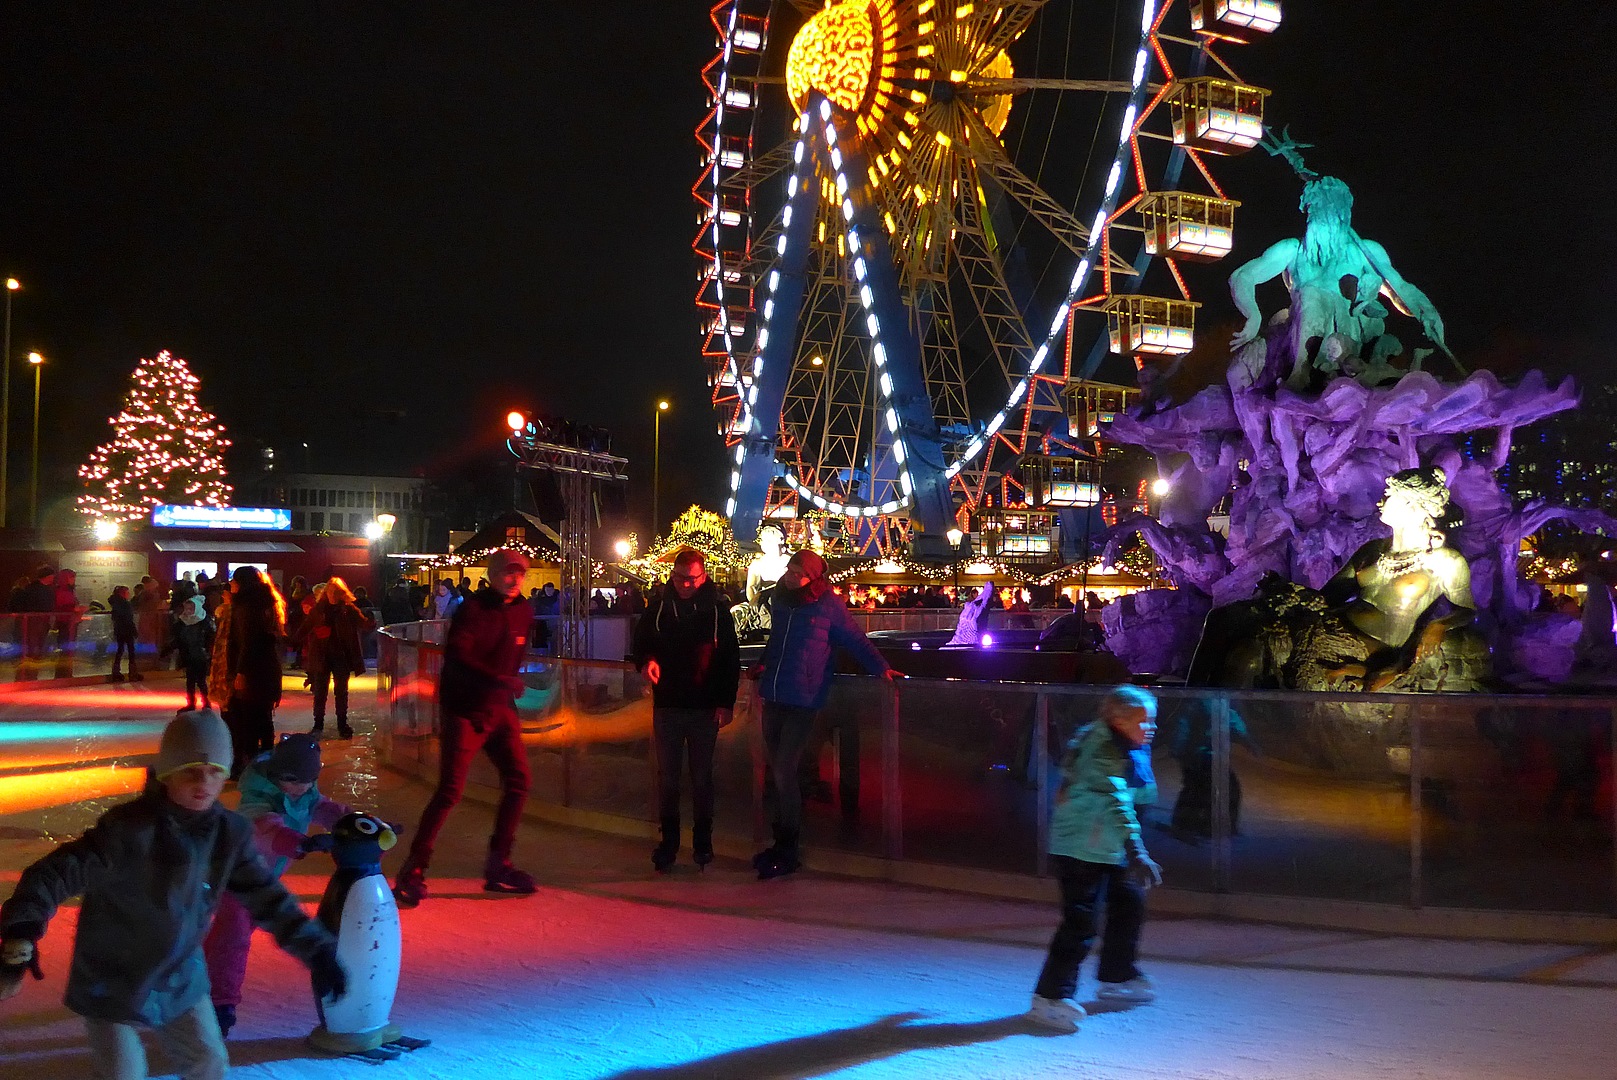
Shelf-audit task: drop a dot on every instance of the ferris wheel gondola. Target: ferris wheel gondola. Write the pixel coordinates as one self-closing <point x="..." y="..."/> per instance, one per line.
<point x="879" y="349"/>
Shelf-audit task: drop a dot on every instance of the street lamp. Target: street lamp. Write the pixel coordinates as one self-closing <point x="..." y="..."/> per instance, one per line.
<point x="954" y="537"/>
<point x="374" y="531"/>
<point x="656" y="464"/>
<point x="38" y="362"/>
<point x="12" y="285"/>
<point x="104" y="530"/>
<point x="622" y="548"/>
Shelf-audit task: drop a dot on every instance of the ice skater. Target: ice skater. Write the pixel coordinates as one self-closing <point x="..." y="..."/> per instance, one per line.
<point x="808" y="622"/>
<point x="483" y="656"/>
<point x="1099" y="858"/>
<point x="151" y="872"/>
<point x="281" y="796"/>
<point x="686" y="645"/>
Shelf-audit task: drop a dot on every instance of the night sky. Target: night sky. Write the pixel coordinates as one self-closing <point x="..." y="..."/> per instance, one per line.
<point x="376" y="227"/>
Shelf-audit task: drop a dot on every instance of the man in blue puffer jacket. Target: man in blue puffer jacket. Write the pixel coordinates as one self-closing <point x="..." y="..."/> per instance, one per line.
<point x="808" y="623"/>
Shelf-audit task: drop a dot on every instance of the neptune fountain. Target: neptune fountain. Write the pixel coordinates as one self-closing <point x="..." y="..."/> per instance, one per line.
<point x="1318" y="444"/>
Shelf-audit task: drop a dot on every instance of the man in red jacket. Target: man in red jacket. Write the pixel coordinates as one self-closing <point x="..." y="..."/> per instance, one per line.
<point x="477" y="692"/>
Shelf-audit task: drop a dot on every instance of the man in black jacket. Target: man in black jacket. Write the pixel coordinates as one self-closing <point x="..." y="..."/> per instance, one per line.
<point x="484" y="652"/>
<point x="686" y="644"/>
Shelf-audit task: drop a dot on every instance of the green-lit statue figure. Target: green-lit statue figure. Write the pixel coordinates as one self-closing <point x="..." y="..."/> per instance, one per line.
<point x="1336" y="323"/>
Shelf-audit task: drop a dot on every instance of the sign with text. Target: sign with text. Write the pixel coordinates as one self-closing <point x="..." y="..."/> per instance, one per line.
<point x="221" y="517"/>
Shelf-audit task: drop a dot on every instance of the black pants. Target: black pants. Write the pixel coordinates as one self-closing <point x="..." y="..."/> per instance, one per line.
<point x="322" y="683"/>
<point x="196" y="676"/>
<point x="1083" y="887"/>
<point x="500" y="737"/>
<point x="251" y="721"/>
<point x="786" y="732"/>
<point x="679" y="732"/>
<point x="124" y="646"/>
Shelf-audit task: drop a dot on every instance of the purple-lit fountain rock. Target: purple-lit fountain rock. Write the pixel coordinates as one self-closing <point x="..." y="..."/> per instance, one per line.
<point x="1312" y="422"/>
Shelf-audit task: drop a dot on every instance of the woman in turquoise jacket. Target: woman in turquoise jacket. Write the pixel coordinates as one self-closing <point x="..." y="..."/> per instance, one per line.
<point x="1098" y="852"/>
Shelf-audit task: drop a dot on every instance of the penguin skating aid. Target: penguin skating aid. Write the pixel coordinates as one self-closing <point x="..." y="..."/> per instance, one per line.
<point x="358" y="908"/>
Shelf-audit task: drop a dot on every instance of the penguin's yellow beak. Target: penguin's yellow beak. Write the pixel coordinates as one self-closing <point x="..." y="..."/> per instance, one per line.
<point x="387" y="839"/>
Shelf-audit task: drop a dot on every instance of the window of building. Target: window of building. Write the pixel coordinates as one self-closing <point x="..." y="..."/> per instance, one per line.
<point x="299" y="520"/>
<point x="325" y="498"/>
<point x="317" y="522"/>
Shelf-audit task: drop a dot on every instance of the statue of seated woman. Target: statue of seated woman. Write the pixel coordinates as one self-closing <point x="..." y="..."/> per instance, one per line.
<point x="1401" y="610"/>
<point x="1397" y="617"/>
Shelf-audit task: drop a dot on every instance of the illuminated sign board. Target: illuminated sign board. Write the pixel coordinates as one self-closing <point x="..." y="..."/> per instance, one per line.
<point x="221" y="517"/>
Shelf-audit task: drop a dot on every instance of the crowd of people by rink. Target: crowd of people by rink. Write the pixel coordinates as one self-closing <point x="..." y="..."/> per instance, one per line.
<point x="196" y="877"/>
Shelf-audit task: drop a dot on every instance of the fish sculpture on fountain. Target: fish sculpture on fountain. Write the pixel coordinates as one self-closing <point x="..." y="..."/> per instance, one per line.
<point x="1311" y="424"/>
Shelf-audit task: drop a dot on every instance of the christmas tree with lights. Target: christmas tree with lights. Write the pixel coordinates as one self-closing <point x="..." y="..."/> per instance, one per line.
<point x="166" y="448"/>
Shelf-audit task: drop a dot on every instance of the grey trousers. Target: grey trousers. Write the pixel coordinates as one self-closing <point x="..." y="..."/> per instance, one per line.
<point x="191" y="1042"/>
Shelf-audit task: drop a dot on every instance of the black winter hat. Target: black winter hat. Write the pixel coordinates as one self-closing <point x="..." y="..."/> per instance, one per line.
<point x="296" y="755"/>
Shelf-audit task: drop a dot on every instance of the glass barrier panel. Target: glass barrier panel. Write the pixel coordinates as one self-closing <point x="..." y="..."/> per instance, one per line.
<point x="544" y="729"/>
<point x="1178" y="824"/>
<point x="736" y="775"/>
<point x="603" y="725"/>
<point x="1516" y="804"/>
<point x="1319" y="796"/>
<point x="967" y="774"/>
<point x="840" y="775"/>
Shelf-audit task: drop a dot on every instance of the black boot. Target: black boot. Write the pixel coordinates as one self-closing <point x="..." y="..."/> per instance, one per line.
<point x="784" y="859"/>
<point x="768" y="854"/>
<point x="662" y="856"/>
<point x="702" y="841"/>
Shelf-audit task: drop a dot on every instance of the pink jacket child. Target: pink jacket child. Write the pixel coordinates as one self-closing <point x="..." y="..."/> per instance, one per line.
<point x="280" y="797"/>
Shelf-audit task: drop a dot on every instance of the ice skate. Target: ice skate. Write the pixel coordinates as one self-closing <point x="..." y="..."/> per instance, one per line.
<point x="410" y="888"/>
<point x="780" y="860"/>
<point x="663" y="855"/>
<point x="1138" y="990"/>
<point x="1057" y="1014"/>
<point x="702" y="843"/>
<point x="502" y="877"/>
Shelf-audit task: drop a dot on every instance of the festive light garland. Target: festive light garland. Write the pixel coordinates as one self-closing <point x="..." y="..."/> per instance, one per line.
<point x="703" y="530"/>
<point x="998" y="568"/>
<point x="166" y="448"/>
<point x="472" y="558"/>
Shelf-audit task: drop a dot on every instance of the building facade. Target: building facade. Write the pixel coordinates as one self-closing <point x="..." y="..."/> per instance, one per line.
<point x="343" y="504"/>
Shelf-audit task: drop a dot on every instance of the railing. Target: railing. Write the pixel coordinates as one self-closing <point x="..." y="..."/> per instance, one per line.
<point x="64" y="645"/>
<point x="1461" y="801"/>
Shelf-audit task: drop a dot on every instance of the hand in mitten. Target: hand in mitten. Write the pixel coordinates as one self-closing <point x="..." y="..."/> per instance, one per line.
<point x="317" y="842"/>
<point x="17" y="955"/>
<point x="329" y="978"/>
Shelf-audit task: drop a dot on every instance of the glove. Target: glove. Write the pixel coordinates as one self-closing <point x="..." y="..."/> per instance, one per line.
<point x="327" y="974"/>
<point x="17" y="955"/>
<point x="1144" y="871"/>
<point x="317" y="842"/>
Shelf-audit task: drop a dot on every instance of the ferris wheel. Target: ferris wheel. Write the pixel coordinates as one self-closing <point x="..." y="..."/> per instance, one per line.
<point x="899" y="249"/>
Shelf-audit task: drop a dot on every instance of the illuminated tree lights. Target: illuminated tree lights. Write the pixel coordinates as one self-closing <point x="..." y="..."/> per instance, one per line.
<point x="165" y="448"/>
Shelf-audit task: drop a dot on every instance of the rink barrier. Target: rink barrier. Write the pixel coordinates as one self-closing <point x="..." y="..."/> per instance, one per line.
<point x="1486" y="816"/>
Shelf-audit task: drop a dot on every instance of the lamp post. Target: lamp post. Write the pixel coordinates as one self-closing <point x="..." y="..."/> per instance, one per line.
<point x="38" y="362"/>
<point x="954" y="537"/>
<point x="12" y="285"/>
<point x="656" y="465"/>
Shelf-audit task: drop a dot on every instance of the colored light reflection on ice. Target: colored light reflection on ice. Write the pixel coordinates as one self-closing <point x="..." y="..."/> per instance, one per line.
<point x="40" y="790"/>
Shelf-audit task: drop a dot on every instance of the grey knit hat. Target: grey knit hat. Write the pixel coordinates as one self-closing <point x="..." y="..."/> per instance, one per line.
<point x="193" y="738"/>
